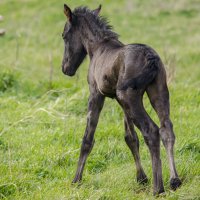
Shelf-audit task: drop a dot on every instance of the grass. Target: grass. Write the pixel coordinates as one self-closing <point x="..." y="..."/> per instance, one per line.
<point x="43" y="113"/>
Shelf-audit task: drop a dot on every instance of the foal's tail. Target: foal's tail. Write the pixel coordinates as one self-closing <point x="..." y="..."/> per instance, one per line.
<point x="146" y="77"/>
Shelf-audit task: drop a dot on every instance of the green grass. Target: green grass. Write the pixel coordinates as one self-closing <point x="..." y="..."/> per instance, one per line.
<point x="43" y="113"/>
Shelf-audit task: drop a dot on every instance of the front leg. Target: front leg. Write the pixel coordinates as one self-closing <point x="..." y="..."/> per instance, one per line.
<point x="95" y="104"/>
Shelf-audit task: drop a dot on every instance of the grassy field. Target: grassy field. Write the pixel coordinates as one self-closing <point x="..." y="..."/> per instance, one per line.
<point x="43" y="112"/>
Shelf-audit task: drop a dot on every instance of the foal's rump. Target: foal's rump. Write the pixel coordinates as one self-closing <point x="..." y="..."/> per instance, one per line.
<point x="142" y="65"/>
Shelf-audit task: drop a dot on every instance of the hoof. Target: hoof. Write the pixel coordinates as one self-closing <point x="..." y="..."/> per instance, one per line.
<point x="76" y="180"/>
<point x="142" y="178"/>
<point x="175" y="183"/>
<point x="161" y="192"/>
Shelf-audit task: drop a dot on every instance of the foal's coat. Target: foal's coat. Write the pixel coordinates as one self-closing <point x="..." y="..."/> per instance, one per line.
<point x="123" y="72"/>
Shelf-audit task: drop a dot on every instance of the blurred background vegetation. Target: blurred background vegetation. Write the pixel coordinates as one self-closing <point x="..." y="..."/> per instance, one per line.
<point x="43" y="112"/>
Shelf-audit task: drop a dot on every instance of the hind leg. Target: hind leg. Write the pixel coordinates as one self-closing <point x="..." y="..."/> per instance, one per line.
<point x="131" y="101"/>
<point x="159" y="98"/>
<point x="132" y="142"/>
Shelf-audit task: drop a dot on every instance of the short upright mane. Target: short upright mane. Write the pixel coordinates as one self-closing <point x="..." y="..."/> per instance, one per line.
<point x="97" y="24"/>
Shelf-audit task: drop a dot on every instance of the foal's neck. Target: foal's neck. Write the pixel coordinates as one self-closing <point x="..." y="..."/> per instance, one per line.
<point x="92" y="46"/>
<point x="94" y="37"/>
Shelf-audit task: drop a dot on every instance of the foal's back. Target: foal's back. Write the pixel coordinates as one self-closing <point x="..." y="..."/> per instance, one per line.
<point x="114" y="64"/>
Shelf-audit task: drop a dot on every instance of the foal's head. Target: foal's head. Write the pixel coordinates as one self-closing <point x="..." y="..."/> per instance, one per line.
<point x="74" y="52"/>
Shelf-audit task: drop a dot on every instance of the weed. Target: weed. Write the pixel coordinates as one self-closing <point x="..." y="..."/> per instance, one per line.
<point x="7" y="189"/>
<point x="7" y="81"/>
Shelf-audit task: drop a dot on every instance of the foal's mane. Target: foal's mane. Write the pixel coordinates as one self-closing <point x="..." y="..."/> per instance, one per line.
<point x="98" y="25"/>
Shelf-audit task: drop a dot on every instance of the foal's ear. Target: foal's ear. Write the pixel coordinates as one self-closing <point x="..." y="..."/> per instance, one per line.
<point x="97" y="11"/>
<point x="68" y="12"/>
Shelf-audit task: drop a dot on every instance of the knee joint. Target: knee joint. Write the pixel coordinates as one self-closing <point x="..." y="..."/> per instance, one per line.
<point x="87" y="145"/>
<point x="167" y="135"/>
<point x="168" y="124"/>
<point x="152" y="140"/>
<point x="131" y="139"/>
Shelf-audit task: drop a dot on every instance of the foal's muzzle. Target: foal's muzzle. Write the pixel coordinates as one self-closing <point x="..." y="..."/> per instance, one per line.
<point x="67" y="71"/>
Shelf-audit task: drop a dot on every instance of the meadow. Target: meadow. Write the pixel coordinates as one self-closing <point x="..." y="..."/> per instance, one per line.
<point x="43" y="112"/>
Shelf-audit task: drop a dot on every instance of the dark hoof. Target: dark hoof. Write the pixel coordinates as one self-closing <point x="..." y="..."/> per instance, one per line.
<point x="76" y="180"/>
<point x="161" y="192"/>
<point x="175" y="183"/>
<point x="142" y="179"/>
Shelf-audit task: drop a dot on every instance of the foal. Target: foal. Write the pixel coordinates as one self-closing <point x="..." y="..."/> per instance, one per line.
<point x="122" y="72"/>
